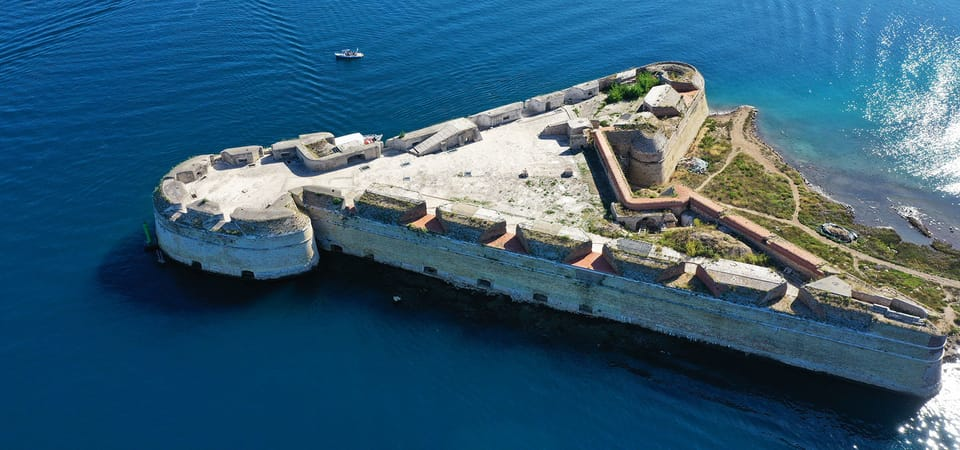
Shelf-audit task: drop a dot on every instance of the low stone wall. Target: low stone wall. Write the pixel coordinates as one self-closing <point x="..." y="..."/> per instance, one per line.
<point x="895" y="304"/>
<point x="320" y="197"/>
<point x="556" y="129"/>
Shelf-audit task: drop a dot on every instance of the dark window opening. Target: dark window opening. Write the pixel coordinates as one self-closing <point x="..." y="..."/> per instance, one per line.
<point x="196" y="265"/>
<point x="540" y="297"/>
<point x="336" y="248"/>
<point x="484" y="283"/>
<point x="429" y="270"/>
<point x="369" y="256"/>
<point x="356" y="158"/>
<point x="247" y="275"/>
<point x="585" y="308"/>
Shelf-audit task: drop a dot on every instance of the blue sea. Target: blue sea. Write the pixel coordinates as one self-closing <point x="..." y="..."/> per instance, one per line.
<point x="101" y="347"/>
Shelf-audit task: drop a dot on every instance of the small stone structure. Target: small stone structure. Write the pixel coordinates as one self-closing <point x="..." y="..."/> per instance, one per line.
<point x="454" y="133"/>
<point x="554" y="242"/>
<point x="664" y="101"/>
<point x="498" y="116"/>
<point x="581" y="92"/>
<point x="285" y="150"/>
<point x="635" y="259"/>
<point x="390" y="205"/>
<point x="471" y="223"/>
<point x="834" y="300"/>
<point x="440" y="137"/>
<point x="319" y="197"/>
<point x="544" y="103"/>
<point x="742" y="282"/>
<point x="652" y="221"/>
<point x="241" y="156"/>
<point x="575" y="130"/>
<point x="323" y="152"/>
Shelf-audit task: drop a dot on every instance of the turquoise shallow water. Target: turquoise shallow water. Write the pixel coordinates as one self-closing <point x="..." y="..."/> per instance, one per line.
<point x="102" y="348"/>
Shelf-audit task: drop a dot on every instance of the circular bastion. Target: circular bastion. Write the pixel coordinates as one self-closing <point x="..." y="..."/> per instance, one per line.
<point x="230" y="236"/>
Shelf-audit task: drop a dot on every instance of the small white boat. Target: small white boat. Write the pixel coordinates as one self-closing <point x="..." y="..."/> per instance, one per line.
<point x="349" y="54"/>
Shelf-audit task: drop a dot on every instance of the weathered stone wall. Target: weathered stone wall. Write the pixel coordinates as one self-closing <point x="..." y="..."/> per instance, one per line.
<point x="388" y="207"/>
<point x="263" y="256"/>
<point x="633" y="263"/>
<point x="498" y="116"/>
<point x="553" y="242"/>
<point x="895" y="304"/>
<point x="890" y="357"/>
<point x="319" y="197"/>
<point x="543" y="103"/>
<point x="556" y="129"/>
<point x="470" y="223"/>
<point x="269" y="243"/>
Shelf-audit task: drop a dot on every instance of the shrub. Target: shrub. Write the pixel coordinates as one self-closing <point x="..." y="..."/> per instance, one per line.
<point x="632" y="91"/>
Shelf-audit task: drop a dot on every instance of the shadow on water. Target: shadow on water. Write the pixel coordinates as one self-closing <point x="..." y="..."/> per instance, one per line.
<point x="134" y="274"/>
<point x="752" y="385"/>
<point x="676" y="366"/>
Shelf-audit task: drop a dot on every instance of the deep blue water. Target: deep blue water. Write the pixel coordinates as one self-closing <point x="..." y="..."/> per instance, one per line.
<point x="102" y="348"/>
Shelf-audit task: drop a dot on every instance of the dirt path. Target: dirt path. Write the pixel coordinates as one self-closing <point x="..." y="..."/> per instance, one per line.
<point x="750" y="144"/>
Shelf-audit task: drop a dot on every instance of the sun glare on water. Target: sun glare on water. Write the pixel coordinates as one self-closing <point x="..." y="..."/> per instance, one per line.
<point x="915" y="105"/>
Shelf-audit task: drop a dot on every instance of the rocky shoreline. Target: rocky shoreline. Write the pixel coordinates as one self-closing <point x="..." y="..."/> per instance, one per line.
<point x="910" y="214"/>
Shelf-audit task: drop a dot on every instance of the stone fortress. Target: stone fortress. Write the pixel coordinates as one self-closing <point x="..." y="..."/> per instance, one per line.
<point x="482" y="202"/>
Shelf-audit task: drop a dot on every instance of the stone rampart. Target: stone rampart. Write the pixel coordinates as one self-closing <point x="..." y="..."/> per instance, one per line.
<point x="554" y="242"/>
<point x="320" y="197"/>
<point x="631" y="259"/>
<point x="273" y="242"/>
<point x="471" y="223"/>
<point x="259" y="257"/>
<point x="390" y="205"/>
<point x="900" y="361"/>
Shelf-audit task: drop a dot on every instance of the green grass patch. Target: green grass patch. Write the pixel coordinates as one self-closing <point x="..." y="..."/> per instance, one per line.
<point x="683" y="240"/>
<point x="879" y="242"/>
<point x="631" y="91"/>
<point x="713" y="147"/>
<point x="746" y="184"/>
<point x="921" y="290"/>
<point x="815" y="209"/>
<point x="836" y="257"/>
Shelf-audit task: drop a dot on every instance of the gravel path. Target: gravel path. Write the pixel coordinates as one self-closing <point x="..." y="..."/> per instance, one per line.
<point x="750" y="144"/>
